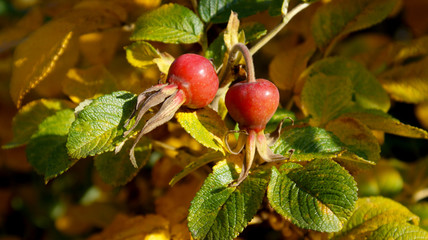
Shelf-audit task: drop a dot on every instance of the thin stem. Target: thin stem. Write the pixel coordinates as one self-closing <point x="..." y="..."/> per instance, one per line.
<point x="285" y="20"/>
<point x="249" y="65"/>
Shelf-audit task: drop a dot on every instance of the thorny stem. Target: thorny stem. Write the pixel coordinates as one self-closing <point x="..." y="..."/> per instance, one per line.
<point x="285" y="20"/>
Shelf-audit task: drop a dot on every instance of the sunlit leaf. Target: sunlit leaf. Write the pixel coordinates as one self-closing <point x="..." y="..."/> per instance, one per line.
<point x="46" y="150"/>
<point x="222" y="212"/>
<point x="357" y="137"/>
<point x="378" y="120"/>
<point x="116" y="169"/>
<point x="100" y="47"/>
<point x="408" y="83"/>
<point x="399" y="231"/>
<point x="82" y="84"/>
<point x="99" y="126"/>
<point x="371" y="214"/>
<point x="171" y="23"/>
<point x="27" y="120"/>
<point x="319" y="196"/>
<point x="141" y="54"/>
<point x="205" y="126"/>
<point x="421" y="112"/>
<point x="43" y="50"/>
<point x="336" y="19"/>
<point x="218" y="11"/>
<point x="308" y="143"/>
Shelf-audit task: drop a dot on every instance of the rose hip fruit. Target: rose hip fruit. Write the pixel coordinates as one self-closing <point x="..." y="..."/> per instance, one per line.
<point x="196" y="76"/>
<point x="252" y="104"/>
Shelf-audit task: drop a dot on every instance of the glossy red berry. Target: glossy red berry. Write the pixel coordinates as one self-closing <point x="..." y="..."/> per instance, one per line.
<point x="252" y="104"/>
<point x="196" y="76"/>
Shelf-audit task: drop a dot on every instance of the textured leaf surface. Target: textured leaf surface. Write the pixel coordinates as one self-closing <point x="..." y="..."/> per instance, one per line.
<point x="367" y="92"/>
<point x="141" y="54"/>
<point x="371" y="214"/>
<point x="222" y="212"/>
<point x="408" y="83"/>
<point x="27" y="120"/>
<point x="399" y="232"/>
<point x="326" y="97"/>
<point x="82" y="84"/>
<point x="356" y="136"/>
<point x="319" y="196"/>
<point x="218" y="11"/>
<point x="205" y="126"/>
<point x="116" y="169"/>
<point x="338" y="18"/>
<point x="46" y="150"/>
<point x="171" y="23"/>
<point x="99" y="126"/>
<point x="308" y="143"/>
<point x="378" y="120"/>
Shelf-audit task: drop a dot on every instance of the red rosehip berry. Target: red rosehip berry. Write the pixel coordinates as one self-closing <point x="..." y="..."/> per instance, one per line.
<point x="252" y="104"/>
<point x="196" y="76"/>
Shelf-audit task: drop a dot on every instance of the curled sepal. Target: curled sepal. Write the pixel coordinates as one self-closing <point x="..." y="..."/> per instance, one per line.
<point x="265" y="152"/>
<point x="240" y="143"/>
<point x="250" y="151"/>
<point x="166" y="112"/>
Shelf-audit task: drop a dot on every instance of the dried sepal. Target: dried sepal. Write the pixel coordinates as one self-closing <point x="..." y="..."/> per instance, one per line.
<point x="240" y="143"/>
<point x="250" y="152"/>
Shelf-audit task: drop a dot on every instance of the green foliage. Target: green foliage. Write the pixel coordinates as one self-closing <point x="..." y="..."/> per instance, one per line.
<point x="171" y="23"/>
<point x="99" y="126"/>
<point x="324" y="206"/>
<point x="219" y="211"/>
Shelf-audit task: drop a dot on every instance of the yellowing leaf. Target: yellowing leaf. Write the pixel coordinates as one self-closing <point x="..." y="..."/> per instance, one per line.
<point x="421" y="113"/>
<point x="407" y="83"/>
<point x="336" y="19"/>
<point x="231" y="33"/>
<point x="357" y="137"/>
<point x="205" y="125"/>
<point x="139" y="227"/>
<point x="39" y="55"/>
<point x="142" y="54"/>
<point x="82" y="84"/>
<point x="100" y="47"/>
<point x="10" y="37"/>
<point x="287" y="66"/>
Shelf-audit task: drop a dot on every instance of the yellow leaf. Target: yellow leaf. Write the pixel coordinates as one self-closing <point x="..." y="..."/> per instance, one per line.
<point x="287" y="66"/>
<point x="82" y="84"/>
<point x="139" y="227"/>
<point x="10" y="37"/>
<point x="407" y="83"/>
<point x="231" y="34"/>
<point x="38" y="56"/>
<point x="421" y="112"/>
<point x="100" y="47"/>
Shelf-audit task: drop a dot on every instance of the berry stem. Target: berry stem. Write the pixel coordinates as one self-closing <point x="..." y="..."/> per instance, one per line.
<point x="249" y="65"/>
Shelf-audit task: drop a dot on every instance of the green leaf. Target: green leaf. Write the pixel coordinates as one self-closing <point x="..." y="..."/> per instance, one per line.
<point x="308" y="143"/>
<point x="46" y="151"/>
<point x="367" y="92"/>
<point x="407" y="83"/>
<point x="222" y="212"/>
<point x="421" y="209"/>
<point x="197" y="163"/>
<point x="27" y="120"/>
<point x="399" y="231"/>
<point x="171" y="23"/>
<point x="371" y="214"/>
<point x="336" y="19"/>
<point x="218" y="11"/>
<point x="99" y="127"/>
<point x="319" y="196"/>
<point x="326" y="97"/>
<point x="378" y="120"/>
<point x="205" y="126"/>
<point x="116" y="169"/>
